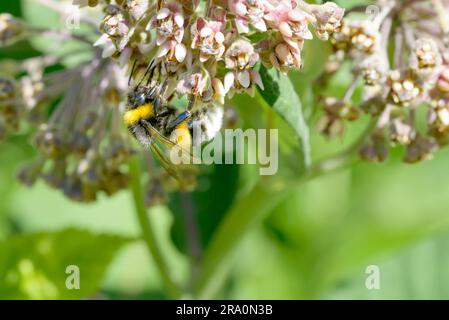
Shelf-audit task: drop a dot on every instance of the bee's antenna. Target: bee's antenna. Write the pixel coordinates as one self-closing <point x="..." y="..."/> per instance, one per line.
<point x="150" y="67"/>
<point x="132" y="72"/>
<point x="150" y="76"/>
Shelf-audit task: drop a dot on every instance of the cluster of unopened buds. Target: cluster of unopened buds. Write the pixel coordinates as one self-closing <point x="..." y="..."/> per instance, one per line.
<point x="206" y="50"/>
<point x="402" y="58"/>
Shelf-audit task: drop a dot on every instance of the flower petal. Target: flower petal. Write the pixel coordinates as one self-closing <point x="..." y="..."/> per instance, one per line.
<point x="228" y="81"/>
<point x="240" y="9"/>
<point x="219" y="37"/>
<point x="255" y="76"/>
<point x="163" y="50"/>
<point x="163" y="13"/>
<point x="108" y="50"/>
<point x="244" y="79"/>
<point x="285" y="29"/>
<point x="102" y="40"/>
<point x="179" y="20"/>
<point x="261" y="26"/>
<point x="242" y="25"/>
<point x="180" y="52"/>
<point x="205" y="32"/>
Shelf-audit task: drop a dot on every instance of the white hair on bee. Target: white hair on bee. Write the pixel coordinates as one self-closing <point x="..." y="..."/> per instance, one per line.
<point x="205" y="123"/>
<point x="141" y="134"/>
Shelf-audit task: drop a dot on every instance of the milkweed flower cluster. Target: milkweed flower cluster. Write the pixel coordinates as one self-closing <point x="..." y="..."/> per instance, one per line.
<point x="402" y="59"/>
<point x="81" y="146"/>
<point x="207" y="50"/>
<point x="216" y="42"/>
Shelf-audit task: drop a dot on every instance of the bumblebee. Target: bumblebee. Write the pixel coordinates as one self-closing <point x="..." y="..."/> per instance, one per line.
<point x="150" y="119"/>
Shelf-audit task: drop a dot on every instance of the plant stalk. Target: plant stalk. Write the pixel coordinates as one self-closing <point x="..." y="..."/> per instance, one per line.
<point x="148" y="233"/>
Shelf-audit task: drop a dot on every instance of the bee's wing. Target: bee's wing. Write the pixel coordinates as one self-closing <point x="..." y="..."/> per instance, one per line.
<point x="165" y="163"/>
<point x="167" y="142"/>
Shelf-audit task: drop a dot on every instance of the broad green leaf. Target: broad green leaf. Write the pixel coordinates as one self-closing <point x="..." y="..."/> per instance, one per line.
<point x="280" y="94"/>
<point x="35" y="266"/>
<point x="12" y="7"/>
<point x="246" y="211"/>
<point x="210" y="202"/>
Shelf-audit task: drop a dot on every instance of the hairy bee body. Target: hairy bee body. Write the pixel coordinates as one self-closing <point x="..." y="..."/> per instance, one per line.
<point x="155" y="124"/>
<point x="205" y="123"/>
<point x="137" y="121"/>
<point x="199" y="127"/>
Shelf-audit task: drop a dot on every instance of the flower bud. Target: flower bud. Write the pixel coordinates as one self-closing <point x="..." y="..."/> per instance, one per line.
<point x="50" y="141"/>
<point x="404" y="90"/>
<point x="8" y="89"/>
<point x="401" y="131"/>
<point x="375" y="150"/>
<point x="328" y="18"/>
<point x="425" y="56"/>
<point x="419" y="149"/>
<point x="30" y="172"/>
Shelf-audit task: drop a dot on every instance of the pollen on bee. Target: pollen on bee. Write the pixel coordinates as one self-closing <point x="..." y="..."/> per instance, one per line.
<point x="134" y="115"/>
<point x="181" y="136"/>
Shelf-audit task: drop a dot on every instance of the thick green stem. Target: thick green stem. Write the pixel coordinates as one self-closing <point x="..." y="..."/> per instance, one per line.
<point x="148" y="233"/>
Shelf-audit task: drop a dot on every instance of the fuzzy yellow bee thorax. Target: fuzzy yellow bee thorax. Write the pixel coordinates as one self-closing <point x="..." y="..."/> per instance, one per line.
<point x="142" y="112"/>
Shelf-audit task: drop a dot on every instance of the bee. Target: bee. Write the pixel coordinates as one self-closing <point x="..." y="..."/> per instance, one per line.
<point x="151" y="119"/>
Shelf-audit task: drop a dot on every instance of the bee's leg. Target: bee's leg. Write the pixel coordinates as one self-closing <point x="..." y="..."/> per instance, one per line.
<point x="163" y="88"/>
<point x="160" y="100"/>
<point x="163" y="113"/>
<point x="151" y="95"/>
<point x="178" y="120"/>
<point x="157" y="106"/>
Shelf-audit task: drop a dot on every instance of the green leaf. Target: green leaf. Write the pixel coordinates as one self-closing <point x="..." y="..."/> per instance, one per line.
<point x="217" y="189"/>
<point x="280" y="94"/>
<point x="245" y="213"/>
<point x="257" y="36"/>
<point x="33" y="266"/>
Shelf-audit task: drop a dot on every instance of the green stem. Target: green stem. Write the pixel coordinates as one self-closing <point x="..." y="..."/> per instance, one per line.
<point x="148" y="233"/>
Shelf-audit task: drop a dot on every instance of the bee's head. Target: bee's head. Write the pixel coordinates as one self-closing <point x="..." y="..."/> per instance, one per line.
<point x="136" y="98"/>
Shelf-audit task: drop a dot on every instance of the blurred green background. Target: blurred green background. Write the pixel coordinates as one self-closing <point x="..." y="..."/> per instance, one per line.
<point x="316" y="244"/>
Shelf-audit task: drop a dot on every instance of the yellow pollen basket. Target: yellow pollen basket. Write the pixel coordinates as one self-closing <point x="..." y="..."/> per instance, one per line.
<point x="143" y="112"/>
<point x="181" y="136"/>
